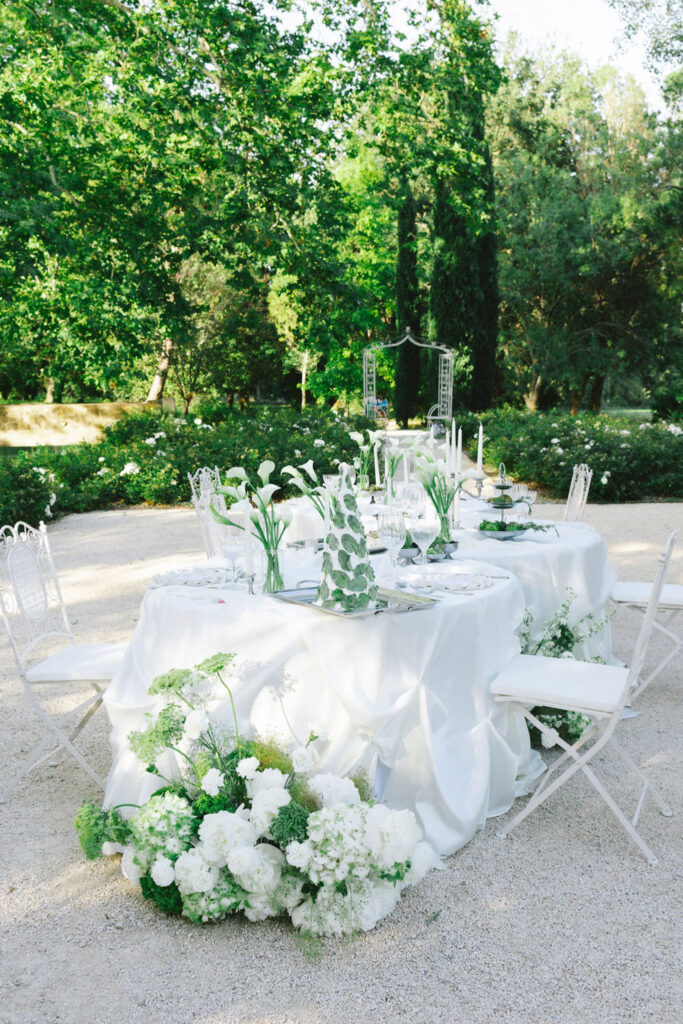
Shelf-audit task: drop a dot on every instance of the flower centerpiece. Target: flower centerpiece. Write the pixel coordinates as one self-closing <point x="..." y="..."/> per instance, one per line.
<point x="440" y="488"/>
<point x="267" y="520"/>
<point x="314" y="490"/>
<point x="367" y="450"/>
<point x="241" y="825"/>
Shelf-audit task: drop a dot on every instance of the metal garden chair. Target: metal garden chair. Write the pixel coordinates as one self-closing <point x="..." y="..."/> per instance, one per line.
<point x="32" y="610"/>
<point x="600" y="692"/>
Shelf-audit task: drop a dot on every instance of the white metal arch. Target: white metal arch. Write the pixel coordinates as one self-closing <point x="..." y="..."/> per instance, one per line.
<point x="441" y="410"/>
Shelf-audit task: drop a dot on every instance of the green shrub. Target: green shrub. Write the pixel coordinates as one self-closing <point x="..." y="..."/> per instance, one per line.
<point x="630" y="462"/>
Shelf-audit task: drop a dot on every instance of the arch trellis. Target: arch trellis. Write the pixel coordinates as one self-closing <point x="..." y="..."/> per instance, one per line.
<point x="442" y="409"/>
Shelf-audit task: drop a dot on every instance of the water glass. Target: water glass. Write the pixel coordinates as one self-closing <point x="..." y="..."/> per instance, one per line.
<point x="391" y="529"/>
<point x="424" y="530"/>
<point x="232" y="546"/>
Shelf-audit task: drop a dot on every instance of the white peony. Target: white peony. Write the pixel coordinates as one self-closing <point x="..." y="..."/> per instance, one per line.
<point x="222" y="832"/>
<point x="265" y="807"/>
<point x="195" y="724"/>
<point x="194" y="873"/>
<point x="246" y="768"/>
<point x="299" y="855"/>
<point x="212" y="781"/>
<point x="391" y="835"/>
<point x="333" y="789"/>
<point x="269" y="778"/>
<point x="162" y="871"/>
<point x="257" y="868"/>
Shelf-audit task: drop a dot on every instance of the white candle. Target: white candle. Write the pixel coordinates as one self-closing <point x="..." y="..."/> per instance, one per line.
<point x="405" y="467"/>
<point x="480" y="450"/>
<point x="376" y="465"/>
<point x="458" y="461"/>
<point x="386" y="468"/>
<point x="448" y="453"/>
<point x="453" y="455"/>
<point x="249" y="554"/>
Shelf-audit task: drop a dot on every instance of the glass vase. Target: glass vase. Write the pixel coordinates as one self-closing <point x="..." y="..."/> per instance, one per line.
<point x="273" y="572"/>
<point x="445" y="528"/>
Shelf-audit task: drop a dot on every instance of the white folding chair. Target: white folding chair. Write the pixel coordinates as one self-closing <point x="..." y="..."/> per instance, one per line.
<point x="599" y="692"/>
<point x="578" y="494"/>
<point x="204" y="484"/>
<point x="32" y="609"/>
<point x="204" y="479"/>
<point x="637" y="596"/>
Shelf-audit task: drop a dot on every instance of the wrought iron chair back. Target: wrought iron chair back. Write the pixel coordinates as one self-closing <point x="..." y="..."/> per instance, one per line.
<point x="31" y="602"/>
<point x="204" y="479"/>
<point x="578" y="493"/>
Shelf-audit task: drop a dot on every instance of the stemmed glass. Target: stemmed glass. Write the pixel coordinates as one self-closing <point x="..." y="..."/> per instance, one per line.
<point x="232" y="546"/>
<point x="424" y="530"/>
<point x="391" y="528"/>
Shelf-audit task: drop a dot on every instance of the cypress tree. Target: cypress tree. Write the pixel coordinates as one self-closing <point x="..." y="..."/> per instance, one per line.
<point x="407" y="309"/>
<point x="484" y="339"/>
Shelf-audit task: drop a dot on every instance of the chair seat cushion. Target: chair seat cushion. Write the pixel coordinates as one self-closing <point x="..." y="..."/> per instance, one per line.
<point x="626" y="592"/>
<point x="96" y="662"/>
<point x="561" y="683"/>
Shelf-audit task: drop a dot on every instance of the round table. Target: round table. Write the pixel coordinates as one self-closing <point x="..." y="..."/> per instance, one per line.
<point x="546" y="564"/>
<point x="406" y="691"/>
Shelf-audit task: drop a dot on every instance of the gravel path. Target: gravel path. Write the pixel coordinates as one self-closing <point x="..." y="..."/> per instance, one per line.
<point x="564" y="921"/>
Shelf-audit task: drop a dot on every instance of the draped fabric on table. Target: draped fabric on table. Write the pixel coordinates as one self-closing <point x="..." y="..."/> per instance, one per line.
<point x="546" y="564"/>
<point x="412" y="688"/>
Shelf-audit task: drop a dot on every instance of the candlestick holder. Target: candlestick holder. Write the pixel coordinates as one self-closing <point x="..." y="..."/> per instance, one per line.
<point x="478" y="476"/>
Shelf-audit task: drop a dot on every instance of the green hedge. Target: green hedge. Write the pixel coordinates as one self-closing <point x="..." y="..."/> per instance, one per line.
<point x="146" y="457"/>
<point x="630" y="461"/>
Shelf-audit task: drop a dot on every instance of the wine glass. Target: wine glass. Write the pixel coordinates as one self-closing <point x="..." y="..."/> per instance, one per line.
<point x="232" y="546"/>
<point x="391" y="529"/>
<point x="424" y="529"/>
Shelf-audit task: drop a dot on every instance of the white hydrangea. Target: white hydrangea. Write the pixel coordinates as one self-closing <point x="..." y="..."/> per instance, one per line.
<point x="391" y="835"/>
<point x="257" y="868"/>
<point x="134" y="864"/>
<point x="195" y="724"/>
<point x="333" y="789"/>
<point x="423" y="858"/>
<point x="194" y="873"/>
<point x="246" y="768"/>
<point x="212" y="781"/>
<point x="265" y="807"/>
<point x="222" y="832"/>
<point x="162" y="871"/>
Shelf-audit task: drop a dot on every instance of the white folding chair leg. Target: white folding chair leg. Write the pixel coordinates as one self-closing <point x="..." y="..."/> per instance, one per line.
<point x="662" y="626"/>
<point x="580" y="763"/>
<point x="65" y="741"/>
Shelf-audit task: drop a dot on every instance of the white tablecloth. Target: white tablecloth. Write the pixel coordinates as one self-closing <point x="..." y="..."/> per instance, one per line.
<point x="546" y="564"/>
<point x="412" y="688"/>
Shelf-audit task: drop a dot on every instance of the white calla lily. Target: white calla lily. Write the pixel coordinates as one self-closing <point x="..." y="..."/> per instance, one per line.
<point x="265" y="469"/>
<point x="308" y="466"/>
<point x="356" y="436"/>
<point x="265" y="493"/>
<point x="290" y="470"/>
<point x="236" y="473"/>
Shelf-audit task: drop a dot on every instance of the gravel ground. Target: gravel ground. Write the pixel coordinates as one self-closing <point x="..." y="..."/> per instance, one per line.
<point x="564" y="921"/>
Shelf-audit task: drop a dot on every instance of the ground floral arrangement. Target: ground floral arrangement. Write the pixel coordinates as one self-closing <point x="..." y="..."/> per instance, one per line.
<point x="249" y="827"/>
<point x="558" y="638"/>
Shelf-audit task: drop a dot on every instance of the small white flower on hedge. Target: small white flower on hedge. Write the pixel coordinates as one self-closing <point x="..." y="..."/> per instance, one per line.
<point x="212" y="781"/>
<point x="554" y="440"/>
<point x="130" y="469"/>
<point x="151" y="441"/>
<point x="319" y="443"/>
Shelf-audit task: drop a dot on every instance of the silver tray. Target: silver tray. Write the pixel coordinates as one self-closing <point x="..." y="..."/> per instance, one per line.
<point x="392" y="601"/>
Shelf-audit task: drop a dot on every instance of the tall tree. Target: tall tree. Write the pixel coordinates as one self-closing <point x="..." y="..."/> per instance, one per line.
<point x="407" y="309"/>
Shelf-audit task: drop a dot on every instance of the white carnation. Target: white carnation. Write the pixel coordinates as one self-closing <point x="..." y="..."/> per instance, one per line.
<point x="222" y="832"/>
<point x="302" y="760"/>
<point x="246" y="768"/>
<point x="333" y="789"/>
<point x="257" y="868"/>
<point x="194" y="873"/>
<point x="299" y="854"/>
<point x="212" y="781"/>
<point x="195" y="724"/>
<point x="162" y="871"/>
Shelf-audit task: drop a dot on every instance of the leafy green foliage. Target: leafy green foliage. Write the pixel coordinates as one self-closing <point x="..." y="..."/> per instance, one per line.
<point x="166" y="897"/>
<point x="95" y="826"/>
<point x="164" y="731"/>
<point x="290" y="825"/>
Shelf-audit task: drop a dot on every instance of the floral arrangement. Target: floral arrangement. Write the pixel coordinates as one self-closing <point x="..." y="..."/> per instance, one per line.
<point x="314" y="491"/>
<point x="269" y="521"/>
<point x="440" y="488"/>
<point x="366" y="450"/>
<point x="558" y="639"/>
<point x="244" y="826"/>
